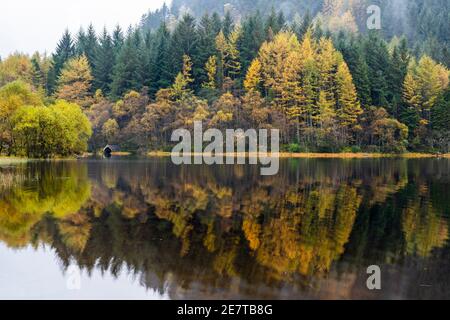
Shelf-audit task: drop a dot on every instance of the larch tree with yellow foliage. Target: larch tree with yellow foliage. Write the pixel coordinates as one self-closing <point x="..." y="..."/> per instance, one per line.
<point x="74" y="83"/>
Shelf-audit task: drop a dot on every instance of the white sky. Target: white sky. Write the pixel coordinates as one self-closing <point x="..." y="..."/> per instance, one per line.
<point x="30" y="25"/>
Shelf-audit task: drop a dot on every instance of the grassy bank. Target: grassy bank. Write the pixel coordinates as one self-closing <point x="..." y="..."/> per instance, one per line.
<point x="320" y="155"/>
<point x="12" y="160"/>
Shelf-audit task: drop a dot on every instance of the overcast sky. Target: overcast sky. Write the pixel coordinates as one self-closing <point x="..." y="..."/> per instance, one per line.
<point x="30" y="25"/>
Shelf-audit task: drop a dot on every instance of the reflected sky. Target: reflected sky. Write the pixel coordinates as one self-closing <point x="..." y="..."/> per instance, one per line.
<point x="31" y="273"/>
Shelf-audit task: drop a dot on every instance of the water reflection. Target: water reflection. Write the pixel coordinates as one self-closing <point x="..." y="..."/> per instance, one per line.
<point x="226" y="232"/>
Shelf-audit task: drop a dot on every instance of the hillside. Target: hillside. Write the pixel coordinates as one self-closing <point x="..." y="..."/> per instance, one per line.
<point x="423" y="22"/>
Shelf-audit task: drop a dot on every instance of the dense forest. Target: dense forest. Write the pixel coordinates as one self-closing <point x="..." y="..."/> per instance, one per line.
<point x="315" y="73"/>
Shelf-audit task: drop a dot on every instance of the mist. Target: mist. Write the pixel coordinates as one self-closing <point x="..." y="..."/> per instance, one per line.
<point x="28" y="25"/>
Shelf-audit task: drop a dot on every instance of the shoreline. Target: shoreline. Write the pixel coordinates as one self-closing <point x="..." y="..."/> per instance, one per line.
<point x="361" y="155"/>
<point x="5" y="160"/>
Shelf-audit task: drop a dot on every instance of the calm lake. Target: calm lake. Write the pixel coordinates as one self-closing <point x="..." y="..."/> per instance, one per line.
<point x="147" y="229"/>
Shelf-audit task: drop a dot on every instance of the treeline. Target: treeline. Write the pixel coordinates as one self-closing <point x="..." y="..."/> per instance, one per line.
<point x="325" y="91"/>
<point x="423" y="22"/>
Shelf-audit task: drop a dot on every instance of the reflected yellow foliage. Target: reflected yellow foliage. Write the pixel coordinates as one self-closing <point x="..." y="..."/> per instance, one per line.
<point x="58" y="195"/>
<point x="423" y="228"/>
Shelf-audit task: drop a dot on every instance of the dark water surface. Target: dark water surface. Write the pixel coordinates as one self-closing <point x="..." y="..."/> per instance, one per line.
<point x="150" y="229"/>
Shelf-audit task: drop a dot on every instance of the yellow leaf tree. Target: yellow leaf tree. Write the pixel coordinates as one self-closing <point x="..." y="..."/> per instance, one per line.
<point x="74" y="83"/>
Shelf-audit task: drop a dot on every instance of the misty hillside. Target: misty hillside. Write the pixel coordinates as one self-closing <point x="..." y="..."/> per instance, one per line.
<point x="418" y="20"/>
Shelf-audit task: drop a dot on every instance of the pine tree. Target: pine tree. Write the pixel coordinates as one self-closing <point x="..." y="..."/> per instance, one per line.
<point x="400" y="62"/>
<point x="80" y="42"/>
<point x="205" y="48"/>
<point x="252" y="37"/>
<point x="354" y="57"/>
<point x="184" y="41"/>
<point x="306" y="25"/>
<point x="161" y="71"/>
<point x="91" y="45"/>
<point x="440" y="117"/>
<point x="104" y="63"/>
<point x="274" y="23"/>
<point x="378" y="62"/>
<point x="38" y="76"/>
<point x="117" y="40"/>
<point x="227" y="24"/>
<point x="216" y="22"/>
<point x="64" y="51"/>
<point x="127" y="72"/>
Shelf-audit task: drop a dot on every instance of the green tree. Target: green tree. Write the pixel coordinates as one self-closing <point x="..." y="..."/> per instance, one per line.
<point x="127" y="72"/>
<point x="104" y="63"/>
<point x="184" y="41"/>
<point x="65" y="50"/>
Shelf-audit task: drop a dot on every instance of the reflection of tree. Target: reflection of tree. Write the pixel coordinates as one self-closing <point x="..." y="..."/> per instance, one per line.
<point x="55" y="189"/>
<point x="309" y="233"/>
<point x="200" y="226"/>
<point x="424" y="229"/>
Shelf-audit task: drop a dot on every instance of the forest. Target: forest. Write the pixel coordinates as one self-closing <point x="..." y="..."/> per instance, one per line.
<point x="316" y="73"/>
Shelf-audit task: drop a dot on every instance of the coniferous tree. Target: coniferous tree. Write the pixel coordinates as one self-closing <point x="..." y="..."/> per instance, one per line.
<point x="355" y="59"/>
<point x="104" y="63"/>
<point x="227" y="24"/>
<point x="205" y="48"/>
<point x="400" y="62"/>
<point x="216" y="22"/>
<point x="272" y="24"/>
<point x="64" y="51"/>
<point x="117" y="40"/>
<point x="147" y="58"/>
<point x="378" y="62"/>
<point x="127" y="73"/>
<point x="184" y="41"/>
<point x="441" y="116"/>
<point x="80" y="42"/>
<point x="307" y="23"/>
<point x="161" y="67"/>
<point x="91" y="45"/>
<point x="38" y="74"/>
<point x="252" y="36"/>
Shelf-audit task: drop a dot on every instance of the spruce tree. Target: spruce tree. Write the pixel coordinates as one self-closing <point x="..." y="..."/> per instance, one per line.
<point x="184" y="41"/>
<point x="378" y="61"/>
<point x="161" y="61"/>
<point x="227" y="24"/>
<point x="80" y="42"/>
<point x="37" y="74"/>
<point x="64" y="51"/>
<point x="252" y="37"/>
<point x="205" y="48"/>
<point x="104" y="63"/>
<point x="127" y="73"/>
<point x="355" y="59"/>
<point x="91" y="45"/>
<point x="117" y="40"/>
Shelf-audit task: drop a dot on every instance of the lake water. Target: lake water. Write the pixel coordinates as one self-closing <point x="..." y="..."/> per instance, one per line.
<point x="147" y="229"/>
